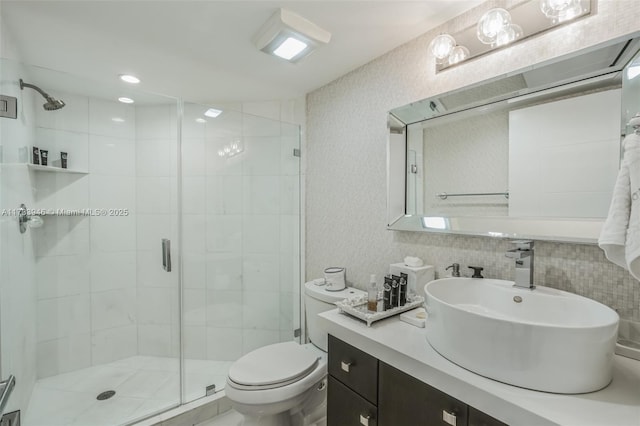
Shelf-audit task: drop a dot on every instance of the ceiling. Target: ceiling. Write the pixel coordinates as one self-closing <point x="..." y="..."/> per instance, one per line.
<point x="202" y="50"/>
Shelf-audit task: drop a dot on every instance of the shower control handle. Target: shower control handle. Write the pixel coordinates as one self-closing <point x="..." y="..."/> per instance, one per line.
<point x="166" y="254"/>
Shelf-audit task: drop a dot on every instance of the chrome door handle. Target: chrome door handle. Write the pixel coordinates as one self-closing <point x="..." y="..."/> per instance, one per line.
<point x="6" y="387"/>
<point x="166" y="254"/>
<point x="449" y="418"/>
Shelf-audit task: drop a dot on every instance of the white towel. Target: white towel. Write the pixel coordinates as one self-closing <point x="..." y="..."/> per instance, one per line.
<point x="620" y="236"/>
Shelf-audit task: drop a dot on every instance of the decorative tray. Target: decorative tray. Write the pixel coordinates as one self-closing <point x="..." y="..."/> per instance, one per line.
<point x="357" y="307"/>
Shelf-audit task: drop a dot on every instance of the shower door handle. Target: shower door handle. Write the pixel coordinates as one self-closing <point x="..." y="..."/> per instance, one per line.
<point x="166" y="254"/>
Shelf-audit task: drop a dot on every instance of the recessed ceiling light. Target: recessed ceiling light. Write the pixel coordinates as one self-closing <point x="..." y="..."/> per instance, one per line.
<point x="200" y="120"/>
<point x="212" y="112"/>
<point x="290" y="36"/>
<point x="129" y="78"/>
<point x="126" y="100"/>
<point x="117" y="120"/>
<point x="290" y="48"/>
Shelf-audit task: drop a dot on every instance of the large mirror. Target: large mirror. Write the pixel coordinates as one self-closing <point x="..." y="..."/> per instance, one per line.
<point x="532" y="154"/>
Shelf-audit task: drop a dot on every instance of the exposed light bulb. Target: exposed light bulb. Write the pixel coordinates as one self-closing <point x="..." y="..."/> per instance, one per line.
<point x="441" y="47"/>
<point x="554" y="8"/>
<point x="507" y="35"/>
<point x="570" y="13"/>
<point x="491" y="23"/>
<point x="458" y="54"/>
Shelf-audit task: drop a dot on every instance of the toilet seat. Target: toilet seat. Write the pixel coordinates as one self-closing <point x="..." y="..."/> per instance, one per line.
<point x="272" y="367"/>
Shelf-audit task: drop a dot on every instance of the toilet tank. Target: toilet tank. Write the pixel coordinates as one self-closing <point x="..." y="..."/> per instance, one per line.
<point x="317" y="300"/>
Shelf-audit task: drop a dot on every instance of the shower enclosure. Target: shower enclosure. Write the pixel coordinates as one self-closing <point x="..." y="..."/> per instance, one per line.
<point x="167" y="248"/>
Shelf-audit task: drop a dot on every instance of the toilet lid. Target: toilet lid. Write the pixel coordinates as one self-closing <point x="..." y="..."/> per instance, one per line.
<point x="282" y="363"/>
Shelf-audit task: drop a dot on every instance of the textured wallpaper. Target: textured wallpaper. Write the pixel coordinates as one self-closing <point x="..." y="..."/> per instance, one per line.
<point x="346" y="164"/>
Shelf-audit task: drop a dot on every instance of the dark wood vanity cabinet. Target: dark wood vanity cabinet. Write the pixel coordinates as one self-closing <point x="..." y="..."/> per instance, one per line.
<point x="406" y="401"/>
<point x="364" y="391"/>
<point x="352" y="396"/>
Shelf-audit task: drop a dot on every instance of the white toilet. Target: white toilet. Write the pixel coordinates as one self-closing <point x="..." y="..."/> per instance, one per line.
<point x="284" y="384"/>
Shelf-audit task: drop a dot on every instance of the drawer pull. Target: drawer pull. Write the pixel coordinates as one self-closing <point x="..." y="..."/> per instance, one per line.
<point x="346" y="366"/>
<point x="449" y="418"/>
<point x="364" y="420"/>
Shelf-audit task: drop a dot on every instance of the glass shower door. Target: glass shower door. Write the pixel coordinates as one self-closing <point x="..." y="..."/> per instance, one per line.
<point x="241" y="251"/>
<point x="89" y="318"/>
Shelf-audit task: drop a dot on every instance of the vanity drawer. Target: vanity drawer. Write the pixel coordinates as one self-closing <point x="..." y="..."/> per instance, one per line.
<point x="478" y="418"/>
<point x="347" y="408"/>
<point x="354" y="368"/>
<point x="406" y="401"/>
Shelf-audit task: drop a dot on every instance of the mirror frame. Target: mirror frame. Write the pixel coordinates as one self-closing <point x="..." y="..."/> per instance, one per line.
<point x="572" y="230"/>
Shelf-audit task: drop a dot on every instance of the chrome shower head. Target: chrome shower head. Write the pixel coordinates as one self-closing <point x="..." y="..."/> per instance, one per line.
<point x="52" y="103"/>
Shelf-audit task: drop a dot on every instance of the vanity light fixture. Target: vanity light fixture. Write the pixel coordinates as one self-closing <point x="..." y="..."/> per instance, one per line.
<point x="289" y="36"/>
<point x="442" y="46"/>
<point x="499" y="27"/>
<point x="491" y="24"/>
<point x="212" y="112"/>
<point x="128" y="78"/>
<point x="126" y="100"/>
<point x="458" y="54"/>
<point x="561" y="10"/>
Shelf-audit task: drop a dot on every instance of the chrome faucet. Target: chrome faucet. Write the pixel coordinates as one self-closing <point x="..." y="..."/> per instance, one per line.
<point x="523" y="255"/>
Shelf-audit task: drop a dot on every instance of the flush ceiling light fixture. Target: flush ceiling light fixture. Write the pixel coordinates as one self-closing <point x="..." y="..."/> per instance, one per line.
<point x="290" y="36"/>
<point x="500" y="27"/>
<point x="125" y="100"/>
<point x="212" y="112"/>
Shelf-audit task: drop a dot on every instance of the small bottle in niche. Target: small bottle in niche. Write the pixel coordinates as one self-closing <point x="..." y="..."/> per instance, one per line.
<point x="386" y="293"/>
<point x="402" y="299"/>
<point x="372" y="294"/>
<point x="63" y="159"/>
<point x="395" y="290"/>
<point x="44" y="157"/>
<point x="36" y="155"/>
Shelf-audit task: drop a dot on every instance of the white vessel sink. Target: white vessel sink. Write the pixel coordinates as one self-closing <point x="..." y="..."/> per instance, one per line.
<point x="550" y="341"/>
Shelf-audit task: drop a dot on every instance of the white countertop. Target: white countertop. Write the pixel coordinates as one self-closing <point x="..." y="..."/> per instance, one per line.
<point x="405" y="347"/>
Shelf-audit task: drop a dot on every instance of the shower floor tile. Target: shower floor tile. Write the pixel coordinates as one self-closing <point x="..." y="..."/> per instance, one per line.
<point x="144" y="385"/>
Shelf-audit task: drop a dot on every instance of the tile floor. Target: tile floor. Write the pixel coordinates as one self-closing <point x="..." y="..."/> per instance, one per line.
<point x="229" y="418"/>
<point x="144" y="385"/>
